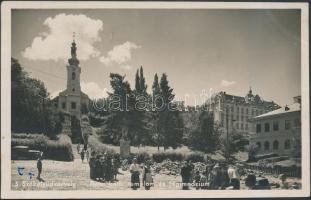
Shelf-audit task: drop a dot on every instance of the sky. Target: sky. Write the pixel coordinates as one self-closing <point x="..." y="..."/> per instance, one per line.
<point x="199" y="50"/>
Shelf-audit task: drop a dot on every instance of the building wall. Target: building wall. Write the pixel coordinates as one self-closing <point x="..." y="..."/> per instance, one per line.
<point x="238" y="115"/>
<point x="280" y="135"/>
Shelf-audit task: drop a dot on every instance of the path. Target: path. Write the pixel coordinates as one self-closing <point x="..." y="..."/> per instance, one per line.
<point x="59" y="175"/>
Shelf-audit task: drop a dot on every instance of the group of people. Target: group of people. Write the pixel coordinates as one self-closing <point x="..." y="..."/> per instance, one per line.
<point x="135" y="170"/>
<point x="104" y="167"/>
<point x="214" y="177"/>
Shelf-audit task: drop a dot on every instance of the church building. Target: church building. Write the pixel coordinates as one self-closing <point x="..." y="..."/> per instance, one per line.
<point x="72" y="100"/>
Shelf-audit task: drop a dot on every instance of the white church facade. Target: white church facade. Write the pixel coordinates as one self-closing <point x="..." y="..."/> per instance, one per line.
<point x="72" y="100"/>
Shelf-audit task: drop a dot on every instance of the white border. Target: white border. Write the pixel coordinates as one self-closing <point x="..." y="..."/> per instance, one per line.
<point x="6" y="101"/>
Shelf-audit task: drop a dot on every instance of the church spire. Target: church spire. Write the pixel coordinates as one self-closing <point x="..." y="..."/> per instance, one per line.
<point x="73" y="60"/>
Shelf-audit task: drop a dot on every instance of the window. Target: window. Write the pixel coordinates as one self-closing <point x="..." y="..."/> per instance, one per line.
<point x="275" y="145"/>
<point x="287" y="124"/>
<point x="267" y="145"/>
<point x="222" y="118"/>
<point x="267" y="127"/>
<point x="242" y="126"/>
<point x="246" y="112"/>
<point x="64" y="105"/>
<point x="242" y="118"/>
<point x="275" y="126"/>
<point x="256" y="112"/>
<point x="237" y="125"/>
<point x="73" y="89"/>
<point x="297" y="122"/>
<point x="232" y="109"/>
<point x="73" y="105"/>
<point x="242" y="111"/>
<point x="258" y="128"/>
<point x="287" y="144"/>
<point x="238" y="109"/>
<point x="246" y="126"/>
<point x="73" y="75"/>
<point x="258" y="145"/>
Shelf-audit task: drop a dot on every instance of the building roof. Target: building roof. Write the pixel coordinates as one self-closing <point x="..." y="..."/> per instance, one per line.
<point x="295" y="107"/>
<point x="249" y="99"/>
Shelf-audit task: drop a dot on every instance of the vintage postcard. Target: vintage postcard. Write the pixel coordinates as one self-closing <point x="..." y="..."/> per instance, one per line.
<point x="154" y="99"/>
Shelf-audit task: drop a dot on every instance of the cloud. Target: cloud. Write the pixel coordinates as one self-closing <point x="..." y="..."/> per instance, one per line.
<point x="120" y="54"/>
<point x="226" y="83"/>
<point x="93" y="90"/>
<point x="55" y="43"/>
<point x="126" y="67"/>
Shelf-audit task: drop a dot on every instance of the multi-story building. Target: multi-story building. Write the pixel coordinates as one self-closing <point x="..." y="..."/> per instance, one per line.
<point x="72" y="99"/>
<point x="233" y="113"/>
<point x="278" y="131"/>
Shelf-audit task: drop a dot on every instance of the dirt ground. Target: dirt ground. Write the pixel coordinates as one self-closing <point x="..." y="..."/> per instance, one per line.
<point x="58" y="175"/>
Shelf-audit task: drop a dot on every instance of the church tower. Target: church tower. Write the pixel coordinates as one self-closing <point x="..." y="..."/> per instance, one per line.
<point x="73" y="71"/>
<point x="72" y="100"/>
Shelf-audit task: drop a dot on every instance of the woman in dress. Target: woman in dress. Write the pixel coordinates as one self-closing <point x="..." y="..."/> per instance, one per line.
<point x="147" y="177"/>
<point x="135" y="171"/>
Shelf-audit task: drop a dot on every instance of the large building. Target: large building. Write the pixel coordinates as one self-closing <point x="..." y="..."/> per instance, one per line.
<point x="278" y="131"/>
<point x="72" y="100"/>
<point x="233" y="113"/>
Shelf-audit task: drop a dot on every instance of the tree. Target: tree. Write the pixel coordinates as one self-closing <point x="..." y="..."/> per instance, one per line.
<point x="206" y="136"/>
<point x="32" y="110"/>
<point x="169" y="122"/>
<point x="137" y="82"/>
<point x="157" y="137"/>
<point x="142" y="82"/>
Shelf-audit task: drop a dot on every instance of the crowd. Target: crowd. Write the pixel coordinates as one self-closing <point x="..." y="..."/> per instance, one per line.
<point x="214" y="177"/>
<point x="104" y="167"/>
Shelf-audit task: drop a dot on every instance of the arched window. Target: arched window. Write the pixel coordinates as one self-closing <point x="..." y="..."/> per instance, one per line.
<point x="287" y="144"/>
<point x="73" y="75"/>
<point x="267" y="145"/>
<point x="258" y="145"/>
<point x="275" y="145"/>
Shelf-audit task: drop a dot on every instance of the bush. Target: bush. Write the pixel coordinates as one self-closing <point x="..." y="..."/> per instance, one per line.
<point x="195" y="157"/>
<point x="140" y="156"/>
<point x="60" y="149"/>
<point x="99" y="147"/>
<point x="173" y="156"/>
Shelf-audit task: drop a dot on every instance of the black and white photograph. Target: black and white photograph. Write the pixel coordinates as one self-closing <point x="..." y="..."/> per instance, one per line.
<point x="183" y="98"/>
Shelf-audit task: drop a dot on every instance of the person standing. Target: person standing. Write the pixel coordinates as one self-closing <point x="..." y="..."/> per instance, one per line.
<point x="98" y="171"/>
<point x="82" y="155"/>
<point x="204" y="180"/>
<point x="39" y="167"/>
<point x="185" y="175"/>
<point x="197" y="179"/>
<point x="135" y="171"/>
<point x="214" y="178"/>
<point x="234" y="177"/>
<point x="103" y="167"/>
<point x="147" y="176"/>
<point x="92" y="163"/>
